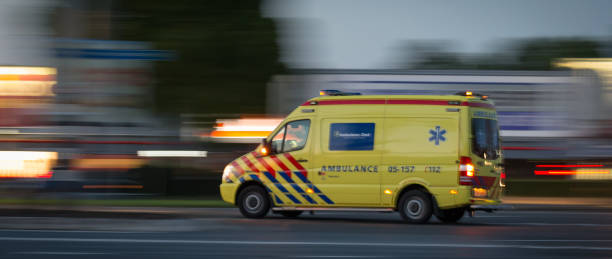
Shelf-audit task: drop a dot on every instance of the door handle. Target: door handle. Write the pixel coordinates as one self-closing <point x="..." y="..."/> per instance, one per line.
<point x="302" y="160"/>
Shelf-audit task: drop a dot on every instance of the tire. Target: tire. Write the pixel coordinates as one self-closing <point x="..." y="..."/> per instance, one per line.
<point x="253" y="202"/>
<point x="450" y="215"/>
<point x="415" y="206"/>
<point x="291" y="213"/>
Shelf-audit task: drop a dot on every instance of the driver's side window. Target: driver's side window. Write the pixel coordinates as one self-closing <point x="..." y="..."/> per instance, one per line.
<point x="291" y="137"/>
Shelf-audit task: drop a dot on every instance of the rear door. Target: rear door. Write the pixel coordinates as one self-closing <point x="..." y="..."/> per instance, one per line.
<point x="486" y="153"/>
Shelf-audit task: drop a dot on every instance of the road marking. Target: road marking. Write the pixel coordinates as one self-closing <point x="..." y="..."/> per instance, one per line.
<point x="337" y="256"/>
<point x="553" y="240"/>
<point x="553" y="224"/>
<point x="77" y="231"/>
<point x="58" y="253"/>
<point x="293" y="243"/>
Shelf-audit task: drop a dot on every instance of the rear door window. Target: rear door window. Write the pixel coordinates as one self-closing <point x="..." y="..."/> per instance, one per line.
<point x="485" y="138"/>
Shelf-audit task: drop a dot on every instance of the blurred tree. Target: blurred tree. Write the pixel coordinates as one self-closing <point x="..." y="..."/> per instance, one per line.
<point x="538" y="54"/>
<point x="225" y="52"/>
<point x="529" y="54"/>
<point x="434" y="55"/>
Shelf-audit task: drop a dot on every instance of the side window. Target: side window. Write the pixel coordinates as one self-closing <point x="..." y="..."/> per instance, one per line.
<point x="277" y="141"/>
<point x="291" y="137"/>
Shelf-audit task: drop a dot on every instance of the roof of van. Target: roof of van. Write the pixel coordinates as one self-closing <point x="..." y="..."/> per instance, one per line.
<point x="402" y="99"/>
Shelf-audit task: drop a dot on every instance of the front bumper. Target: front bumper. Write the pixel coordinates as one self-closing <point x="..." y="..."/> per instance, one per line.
<point x="228" y="192"/>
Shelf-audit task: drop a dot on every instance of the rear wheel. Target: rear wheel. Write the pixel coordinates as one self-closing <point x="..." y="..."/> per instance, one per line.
<point x="450" y="215"/>
<point x="291" y="213"/>
<point x="415" y="206"/>
<point x="253" y="202"/>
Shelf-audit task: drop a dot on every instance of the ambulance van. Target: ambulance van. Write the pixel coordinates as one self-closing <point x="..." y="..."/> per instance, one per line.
<point x="420" y="155"/>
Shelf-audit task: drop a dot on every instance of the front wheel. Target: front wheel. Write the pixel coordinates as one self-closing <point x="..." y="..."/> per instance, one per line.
<point x="450" y="215"/>
<point x="253" y="202"/>
<point x="415" y="206"/>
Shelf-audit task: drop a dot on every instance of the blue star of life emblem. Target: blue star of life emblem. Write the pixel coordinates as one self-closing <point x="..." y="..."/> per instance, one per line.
<point x="437" y="135"/>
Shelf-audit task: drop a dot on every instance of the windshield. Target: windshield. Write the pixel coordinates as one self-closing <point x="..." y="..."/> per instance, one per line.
<point x="485" y="141"/>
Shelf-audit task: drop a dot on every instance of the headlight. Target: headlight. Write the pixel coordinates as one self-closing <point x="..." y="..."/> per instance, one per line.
<point x="227" y="171"/>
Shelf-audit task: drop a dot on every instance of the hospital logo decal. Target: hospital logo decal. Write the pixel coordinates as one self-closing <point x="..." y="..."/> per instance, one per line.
<point x="437" y="135"/>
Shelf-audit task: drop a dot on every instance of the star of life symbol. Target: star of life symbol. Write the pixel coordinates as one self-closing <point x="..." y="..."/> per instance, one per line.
<point x="437" y="135"/>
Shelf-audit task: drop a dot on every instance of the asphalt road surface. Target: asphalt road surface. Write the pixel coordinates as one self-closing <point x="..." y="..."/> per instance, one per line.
<point x="223" y="233"/>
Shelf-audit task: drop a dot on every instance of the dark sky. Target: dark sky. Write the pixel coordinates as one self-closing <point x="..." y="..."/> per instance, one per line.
<point x="368" y="34"/>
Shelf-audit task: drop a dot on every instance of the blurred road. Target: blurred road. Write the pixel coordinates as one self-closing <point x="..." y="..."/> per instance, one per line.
<point x="223" y="233"/>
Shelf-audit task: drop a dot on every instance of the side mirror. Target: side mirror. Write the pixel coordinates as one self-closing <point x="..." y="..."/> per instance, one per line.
<point x="264" y="148"/>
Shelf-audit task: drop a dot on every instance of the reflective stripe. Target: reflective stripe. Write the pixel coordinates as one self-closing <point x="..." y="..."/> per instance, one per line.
<point x="264" y="164"/>
<point x="278" y="200"/>
<point x="249" y="164"/>
<point x="238" y="168"/>
<point x="281" y="164"/>
<point x="281" y="188"/>
<point x="314" y="188"/>
<point x="297" y="187"/>
<point x="398" y="101"/>
<point x="296" y="164"/>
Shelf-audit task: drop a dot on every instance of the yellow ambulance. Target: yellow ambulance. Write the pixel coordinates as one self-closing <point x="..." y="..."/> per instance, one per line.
<point x="416" y="154"/>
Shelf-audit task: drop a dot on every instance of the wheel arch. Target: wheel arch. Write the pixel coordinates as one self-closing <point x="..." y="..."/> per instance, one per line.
<point x="247" y="184"/>
<point x="415" y="186"/>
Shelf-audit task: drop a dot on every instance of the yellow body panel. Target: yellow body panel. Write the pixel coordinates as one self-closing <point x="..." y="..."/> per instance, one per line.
<point x="362" y="151"/>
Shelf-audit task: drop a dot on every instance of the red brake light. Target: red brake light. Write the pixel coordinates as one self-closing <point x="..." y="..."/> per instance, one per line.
<point x="466" y="171"/>
<point x="503" y="175"/>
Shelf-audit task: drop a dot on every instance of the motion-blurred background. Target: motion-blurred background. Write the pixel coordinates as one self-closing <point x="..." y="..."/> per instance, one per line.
<point x="119" y="98"/>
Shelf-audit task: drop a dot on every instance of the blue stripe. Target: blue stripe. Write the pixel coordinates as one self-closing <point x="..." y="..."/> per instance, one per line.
<point x="255" y="177"/>
<point x="517" y="127"/>
<point x="280" y="187"/>
<point x="323" y="197"/>
<point x="297" y="187"/>
<point x="241" y="180"/>
<point x="305" y="180"/>
<point x="276" y="183"/>
<point x="313" y="187"/>
<point x="278" y="200"/>
<point x="134" y="54"/>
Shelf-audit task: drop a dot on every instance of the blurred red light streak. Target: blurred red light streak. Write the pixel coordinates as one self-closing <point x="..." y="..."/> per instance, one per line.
<point x="569" y="166"/>
<point x="568" y="172"/>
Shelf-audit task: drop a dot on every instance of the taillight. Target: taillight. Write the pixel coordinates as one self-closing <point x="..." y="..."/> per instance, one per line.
<point x="502" y="180"/>
<point x="466" y="171"/>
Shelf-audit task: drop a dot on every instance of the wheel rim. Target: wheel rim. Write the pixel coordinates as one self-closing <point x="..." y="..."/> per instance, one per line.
<point x="414" y="208"/>
<point x="253" y="202"/>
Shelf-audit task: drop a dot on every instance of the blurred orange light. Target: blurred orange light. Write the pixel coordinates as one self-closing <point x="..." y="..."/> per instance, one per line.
<point x="245" y="130"/>
<point x="308" y="190"/>
<point x="453" y="192"/>
<point x="479" y="192"/>
<point x="26" y="164"/>
<point x="263" y="151"/>
<point x="387" y="191"/>
<point x="240" y="134"/>
<point x="468" y="93"/>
